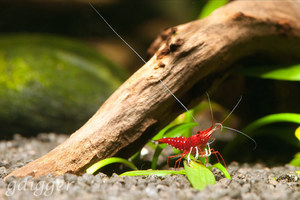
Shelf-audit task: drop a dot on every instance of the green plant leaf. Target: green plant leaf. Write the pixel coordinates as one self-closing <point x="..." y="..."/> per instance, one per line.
<point x="177" y="130"/>
<point x="279" y="132"/>
<point x="162" y="132"/>
<point x="251" y="129"/>
<point x="274" y="118"/>
<point x="286" y="73"/>
<point x="186" y="118"/>
<point x="220" y="167"/>
<point x="95" y="167"/>
<point x="198" y="175"/>
<point x="150" y="172"/>
<point x="296" y="160"/>
<point x="156" y="154"/>
<point x="297" y="133"/>
<point x="135" y="157"/>
<point x="174" y="130"/>
<point x="210" y="6"/>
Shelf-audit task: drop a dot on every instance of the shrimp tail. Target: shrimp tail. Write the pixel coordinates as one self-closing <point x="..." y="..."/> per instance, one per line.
<point x="176" y="142"/>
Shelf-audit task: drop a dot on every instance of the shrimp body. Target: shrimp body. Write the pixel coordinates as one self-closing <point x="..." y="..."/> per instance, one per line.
<point x="194" y="145"/>
<point x="176" y="142"/>
<point x="185" y="144"/>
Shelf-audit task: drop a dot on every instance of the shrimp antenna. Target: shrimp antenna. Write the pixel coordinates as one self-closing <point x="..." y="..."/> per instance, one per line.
<point x="232" y="129"/>
<point x="210" y="108"/>
<point x="138" y="55"/>
<point x="244" y="134"/>
<point x="236" y="105"/>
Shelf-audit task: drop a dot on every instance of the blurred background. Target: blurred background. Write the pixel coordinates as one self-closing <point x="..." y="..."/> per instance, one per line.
<point x="139" y="22"/>
<point x="59" y="62"/>
<point x="35" y="32"/>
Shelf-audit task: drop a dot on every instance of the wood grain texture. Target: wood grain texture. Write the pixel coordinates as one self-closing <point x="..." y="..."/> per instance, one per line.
<point x="189" y="59"/>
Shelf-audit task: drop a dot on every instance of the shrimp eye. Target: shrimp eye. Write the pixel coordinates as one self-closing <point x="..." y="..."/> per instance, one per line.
<point x="198" y="132"/>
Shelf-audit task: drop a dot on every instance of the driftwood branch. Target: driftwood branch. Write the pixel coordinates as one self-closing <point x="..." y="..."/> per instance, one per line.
<point x="189" y="59"/>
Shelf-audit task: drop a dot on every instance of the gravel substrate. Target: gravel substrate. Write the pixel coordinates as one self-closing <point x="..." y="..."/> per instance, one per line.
<point x="248" y="181"/>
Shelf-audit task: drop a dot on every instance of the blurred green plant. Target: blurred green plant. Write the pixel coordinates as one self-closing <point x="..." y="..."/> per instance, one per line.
<point x="296" y="159"/>
<point x="252" y="128"/>
<point x="276" y="72"/>
<point x="210" y="6"/>
<point x="48" y="83"/>
<point x="282" y="72"/>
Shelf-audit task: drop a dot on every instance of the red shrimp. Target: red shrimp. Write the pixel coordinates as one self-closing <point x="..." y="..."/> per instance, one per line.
<point x="196" y="144"/>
